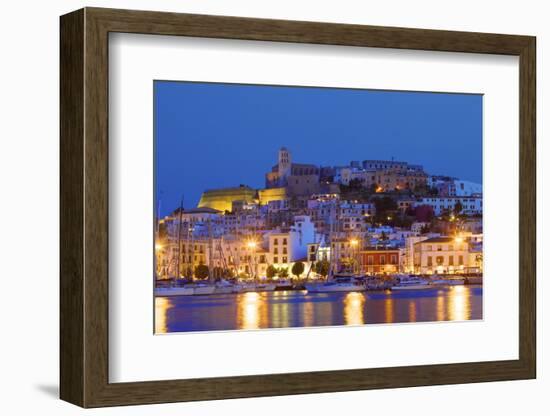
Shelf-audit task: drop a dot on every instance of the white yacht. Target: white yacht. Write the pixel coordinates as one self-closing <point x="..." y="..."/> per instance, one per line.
<point x="203" y="289"/>
<point x="258" y="287"/>
<point x="225" y="287"/>
<point x="174" y="291"/>
<point x="410" y="282"/>
<point x="447" y="281"/>
<point x="339" y="284"/>
<point x="283" y="284"/>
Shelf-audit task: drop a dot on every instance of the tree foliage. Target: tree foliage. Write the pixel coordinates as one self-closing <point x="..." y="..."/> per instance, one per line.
<point x="283" y="272"/>
<point x="271" y="271"/>
<point x="201" y="271"/>
<point x="458" y="208"/>
<point x="322" y="267"/>
<point x="298" y="268"/>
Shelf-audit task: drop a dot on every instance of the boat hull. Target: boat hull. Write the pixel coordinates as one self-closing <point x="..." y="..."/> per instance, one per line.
<point x="324" y="288"/>
<point x="222" y="290"/>
<point x="258" y="287"/>
<point x="413" y="287"/>
<point x="174" y="291"/>
<point x="204" y="290"/>
<point x="449" y="282"/>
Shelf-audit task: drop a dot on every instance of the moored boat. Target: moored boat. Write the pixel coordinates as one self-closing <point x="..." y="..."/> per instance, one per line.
<point x="284" y="284"/>
<point x="446" y="281"/>
<point x="174" y="291"/>
<point x="225" y="287"/>
<point x="410" y="282"/>
<point x="257" y="287"/>
<point x="339" y="284"/>
<point x="203" y="289"/>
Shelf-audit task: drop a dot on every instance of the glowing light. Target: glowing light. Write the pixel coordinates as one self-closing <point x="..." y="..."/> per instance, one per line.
<point x="158" y="246"/>
<point x="459" y="239"/>
<point x="354" y="242"/>
<point x="251" y="244"/>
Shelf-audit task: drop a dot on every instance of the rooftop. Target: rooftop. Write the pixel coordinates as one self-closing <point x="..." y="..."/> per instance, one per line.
<point x="203" y="210"/>
<point x="437" y="240"/>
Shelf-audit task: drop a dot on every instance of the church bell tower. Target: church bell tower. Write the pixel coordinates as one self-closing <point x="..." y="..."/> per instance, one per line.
<point x="284" y="162"/>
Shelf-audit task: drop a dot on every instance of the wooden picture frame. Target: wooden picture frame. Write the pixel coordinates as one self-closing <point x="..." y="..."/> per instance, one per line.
<point x="84" y="207"/>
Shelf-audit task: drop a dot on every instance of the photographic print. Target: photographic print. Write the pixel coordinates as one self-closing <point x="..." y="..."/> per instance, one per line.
<point x="295" y="207"/>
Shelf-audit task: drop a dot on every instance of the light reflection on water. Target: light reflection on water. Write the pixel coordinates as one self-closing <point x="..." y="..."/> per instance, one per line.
<point x="354" y="308"/>
<point x="459" y="304"/>
<point x="412" y="311"/>
<point x="161" y="307"/>
<point x="301" y="309"/>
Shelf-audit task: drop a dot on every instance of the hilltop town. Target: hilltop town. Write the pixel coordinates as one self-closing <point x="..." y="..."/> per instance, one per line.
<point x="371" y="217"/>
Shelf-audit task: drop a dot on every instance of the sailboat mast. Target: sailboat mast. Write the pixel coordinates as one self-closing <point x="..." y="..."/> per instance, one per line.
<point x="210" y="251"/>
<point x="179" y="239"/>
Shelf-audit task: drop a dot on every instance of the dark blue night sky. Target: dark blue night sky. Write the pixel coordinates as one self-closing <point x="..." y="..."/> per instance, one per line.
<point x="219" y="135"/>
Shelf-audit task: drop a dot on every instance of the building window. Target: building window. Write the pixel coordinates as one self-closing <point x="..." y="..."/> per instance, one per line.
<point x="428" y="248"/>
<point x="460" y="260"/>
<point x="370" y="260"/>
<point x="382" y="259"/>
<point x="284" y="250"/>
<point x="451" y="261"/>
<point x="284" y="240"/>
<point x="285" y="259"/>
<point x="275" y="241"/>
<point x="429" y="260"/>
<point x="275" y="250"/>
<point x="275" y="259"/>
<point x="393" y="259"/>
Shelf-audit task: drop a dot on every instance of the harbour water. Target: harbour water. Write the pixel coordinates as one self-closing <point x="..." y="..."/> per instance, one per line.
<point x="290" y="309"/>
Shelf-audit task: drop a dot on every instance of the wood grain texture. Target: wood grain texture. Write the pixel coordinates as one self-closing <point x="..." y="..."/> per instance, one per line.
<point x="71" y="213"/>
<point x="84" y="207"/>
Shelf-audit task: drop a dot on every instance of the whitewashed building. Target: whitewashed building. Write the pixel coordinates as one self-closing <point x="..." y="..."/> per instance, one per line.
<point x="441" y="204"/>
<point x="441" y="255"/>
